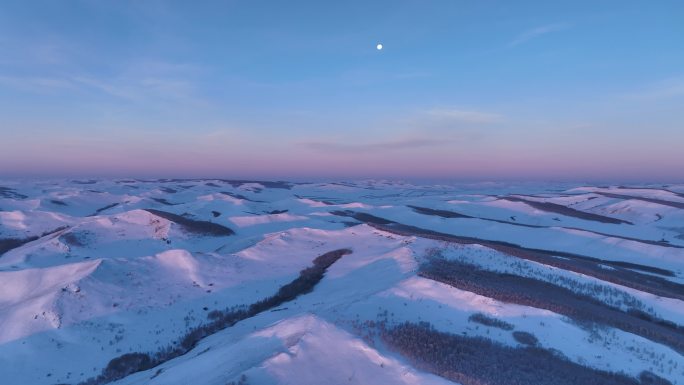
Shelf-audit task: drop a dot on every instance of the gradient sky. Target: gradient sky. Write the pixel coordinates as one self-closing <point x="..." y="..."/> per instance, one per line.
<point x="470" y="90"/>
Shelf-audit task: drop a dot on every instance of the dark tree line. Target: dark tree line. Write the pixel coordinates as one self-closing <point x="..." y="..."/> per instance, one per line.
<point x="193" y="226"/>
<point x="525" y="291"/>
<point x="591" y="266"/>
<point x="7" y="244"/>
<point x="130" y="363"/>
<point x="479" y="361"/>
<point x="490" y="321"/>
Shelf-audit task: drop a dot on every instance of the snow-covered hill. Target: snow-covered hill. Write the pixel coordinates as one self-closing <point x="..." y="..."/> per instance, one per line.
<point x="246" y="282"/>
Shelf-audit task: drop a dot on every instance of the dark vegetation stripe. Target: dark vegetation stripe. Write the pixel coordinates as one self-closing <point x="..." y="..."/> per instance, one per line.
<point x="164" y="201"/>
<point x="662" y="243"/>
<point x="479" y="361"/>
<point x="525" y="291"/>
<point x="567" y="211"/>
<point x="7" y="244"/>
<point x="130" y="363"/>
<point x="325" y="201"/>
<point x="678" y="205"/>
<point x="10" y="193"/>
<point x="453" y="214"/>
<point x="239" y="196"/>
<point x="193" y="226"/>
<point x="439" y="213"/>
<point x="652" y="188"/>
<point x="587" y="266"/>
<point x="572" y="262"/>
<point x="363" y="217"/>
<point x="511" y="248"/>
<point x="101" y="209"/>
<point x="486" y="320"/>
<point x="268" y="184"/>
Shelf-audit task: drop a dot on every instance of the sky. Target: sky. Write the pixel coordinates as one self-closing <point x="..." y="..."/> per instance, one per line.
<point x="462" y="90"/>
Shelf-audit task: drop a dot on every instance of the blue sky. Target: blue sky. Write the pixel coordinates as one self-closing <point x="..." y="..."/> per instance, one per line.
<point x="296" y="89"/>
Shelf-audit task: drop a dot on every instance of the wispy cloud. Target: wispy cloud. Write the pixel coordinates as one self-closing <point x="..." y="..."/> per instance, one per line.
<point x="397" y="144"/>
<point x="537" y="32"/>
<point x="52" y="52"/>
<point x="465" y="116"/>
<point x="666" y="88"/>
<point x="412" y="75"/>
<point x="140" y="89"/>
<point x="35" y="84"/>
<point x="149" y="82"/>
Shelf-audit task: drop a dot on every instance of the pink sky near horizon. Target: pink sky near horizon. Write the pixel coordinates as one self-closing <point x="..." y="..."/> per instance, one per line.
<point x="470" y="161"/>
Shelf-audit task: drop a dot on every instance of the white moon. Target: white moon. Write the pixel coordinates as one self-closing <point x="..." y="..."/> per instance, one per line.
<point x="379" y="46"/>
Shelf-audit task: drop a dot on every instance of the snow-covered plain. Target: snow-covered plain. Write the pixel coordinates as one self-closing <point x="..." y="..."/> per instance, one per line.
<point x="91" y="270"/>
